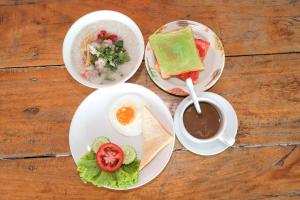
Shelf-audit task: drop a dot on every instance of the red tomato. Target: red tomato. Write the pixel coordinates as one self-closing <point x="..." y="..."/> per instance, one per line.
<point x="101" y="34"/>
<point x="202" y="47"/>
<point x="110" y="157"/>
<point x="193" y="75"/>
<point x="113" y="37"/>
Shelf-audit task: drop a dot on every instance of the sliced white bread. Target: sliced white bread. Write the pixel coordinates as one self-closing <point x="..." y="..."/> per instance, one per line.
<point x="156" y="137"/>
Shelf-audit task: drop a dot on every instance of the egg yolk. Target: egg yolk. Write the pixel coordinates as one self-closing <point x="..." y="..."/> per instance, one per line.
<point x="125" y="115"/>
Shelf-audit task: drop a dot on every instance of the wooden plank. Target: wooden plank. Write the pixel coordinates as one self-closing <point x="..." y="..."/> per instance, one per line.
<point x="265" y="91"/>
<point x="32" y="32"/>
<point x="37" y="104"/>
<point x="238" y="173"/>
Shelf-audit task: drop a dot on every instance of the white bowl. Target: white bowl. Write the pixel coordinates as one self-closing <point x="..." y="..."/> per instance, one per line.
<point x="92" y="21"/>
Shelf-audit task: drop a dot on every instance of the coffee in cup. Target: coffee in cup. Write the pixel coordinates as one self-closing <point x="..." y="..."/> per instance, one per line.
<point x="205" y="125"/>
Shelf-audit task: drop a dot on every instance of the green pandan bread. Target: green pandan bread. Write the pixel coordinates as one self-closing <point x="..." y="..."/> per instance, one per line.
<point x="176" y="52"/>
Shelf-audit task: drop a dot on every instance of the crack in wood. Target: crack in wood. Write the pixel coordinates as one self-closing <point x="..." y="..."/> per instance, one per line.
<point x="264" y="145"/>
<point x="228" y="56"/>
<point x="33" y="79"/>
<point x="32" y="66"/>
<point x="18" y="3"/>
<point x="250" y="146"/>
<point x="262" y="54"/>
<point x="281" y="161"/>
<point x="36" y="156"/>
<point x="286" y="194"/>
<point x="180" y="149"/>
<point x="32" y="110"/>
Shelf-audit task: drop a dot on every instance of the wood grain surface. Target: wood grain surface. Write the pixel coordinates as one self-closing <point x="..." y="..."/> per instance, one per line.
<point x="32" y="31"/>
<point x="261" y="80"/>
<point x="238" y="173"/>
<point x="37" y="104"/>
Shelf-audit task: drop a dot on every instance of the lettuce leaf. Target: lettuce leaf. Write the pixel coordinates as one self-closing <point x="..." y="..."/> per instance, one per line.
<point x="89" y="171"/>
<point x="87" y="167"/>
<point x="128" y="175"/>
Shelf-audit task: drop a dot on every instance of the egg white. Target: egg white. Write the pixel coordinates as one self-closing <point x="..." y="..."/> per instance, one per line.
<point x="133" y="128"/>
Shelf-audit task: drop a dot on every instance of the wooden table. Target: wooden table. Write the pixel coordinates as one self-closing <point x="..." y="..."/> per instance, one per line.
<point x="261" y="79"/>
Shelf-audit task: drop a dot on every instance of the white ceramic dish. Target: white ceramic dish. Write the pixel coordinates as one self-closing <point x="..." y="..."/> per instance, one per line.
<point x="91" y="120"/>
<point x="214" y="60"/>
<point x="91" y="21"/>
<point x="227" y="133"/>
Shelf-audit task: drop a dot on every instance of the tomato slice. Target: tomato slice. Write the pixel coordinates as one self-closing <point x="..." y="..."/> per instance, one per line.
<point x="102" y="34"/>
<point x="113" y="37"/>
<point x="202" y="47"/>
<point x="110" y="157"/>
<point x="193" y="75"/>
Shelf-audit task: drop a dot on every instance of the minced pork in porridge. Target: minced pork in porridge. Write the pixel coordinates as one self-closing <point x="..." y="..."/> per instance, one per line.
<point x="106" y="52"/>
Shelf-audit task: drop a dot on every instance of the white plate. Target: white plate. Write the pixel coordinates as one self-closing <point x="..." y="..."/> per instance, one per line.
<point x="213" y="147"/>
<point x="214" y="60"/>
<point x="91" y="120"/>
<point x="92" y="21"/>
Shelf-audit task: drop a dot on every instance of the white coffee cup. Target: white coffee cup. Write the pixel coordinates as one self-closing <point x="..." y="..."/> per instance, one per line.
<point x="220" y="135"/>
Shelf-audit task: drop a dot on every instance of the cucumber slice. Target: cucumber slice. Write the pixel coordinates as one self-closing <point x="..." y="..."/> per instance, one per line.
<point x="98" y="142"/>
<point x="129" y="154"/>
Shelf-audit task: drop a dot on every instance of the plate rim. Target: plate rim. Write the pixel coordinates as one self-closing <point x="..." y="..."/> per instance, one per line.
<point x="172" y="131"/>
<point x="184" y="91"/>
<point x="186" y="143"/>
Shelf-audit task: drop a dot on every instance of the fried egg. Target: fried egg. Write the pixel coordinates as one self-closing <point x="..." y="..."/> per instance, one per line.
<point x="125" y="115"/>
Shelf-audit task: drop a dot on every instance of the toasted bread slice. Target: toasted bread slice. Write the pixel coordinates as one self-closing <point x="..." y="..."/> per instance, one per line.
<point x="157" y="68"/>
<point x="176" y="52"/>
<point x="156" y="137"/>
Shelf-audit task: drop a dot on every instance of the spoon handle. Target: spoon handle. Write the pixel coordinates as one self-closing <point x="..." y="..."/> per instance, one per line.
<point x="190" y="86"/>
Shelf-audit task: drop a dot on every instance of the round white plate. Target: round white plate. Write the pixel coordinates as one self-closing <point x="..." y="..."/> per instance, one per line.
<point x="94" y="19"/>
<point x="91" y="120"/>
<point x="214" y="60"/>
<point x="213" y="147"/>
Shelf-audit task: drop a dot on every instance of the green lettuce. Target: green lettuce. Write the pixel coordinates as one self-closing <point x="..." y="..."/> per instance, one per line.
<point x="89" y="171"/>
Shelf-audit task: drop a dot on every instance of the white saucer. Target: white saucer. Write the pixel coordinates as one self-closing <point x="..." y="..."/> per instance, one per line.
<point x="212" y="147"/>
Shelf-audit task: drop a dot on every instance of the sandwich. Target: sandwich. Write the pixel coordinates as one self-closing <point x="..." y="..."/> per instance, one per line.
<point x="178" y="54"/>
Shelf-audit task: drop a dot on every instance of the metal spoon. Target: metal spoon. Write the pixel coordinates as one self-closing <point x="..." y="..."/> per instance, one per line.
<point x="190" y="86"/>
